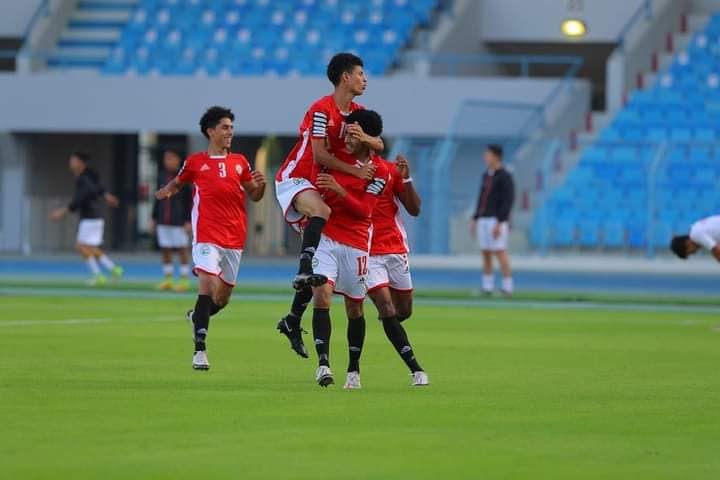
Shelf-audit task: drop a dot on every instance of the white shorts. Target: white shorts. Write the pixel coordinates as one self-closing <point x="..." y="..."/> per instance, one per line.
<point x="90" y="232"/>
<point x="221" y="262"/>
<point x="285" y="192"/>
<point x="345" y="267"/>
<point x="172" y="236"/>
<point x="486" y="240"/>
<point x="391" y="271"/>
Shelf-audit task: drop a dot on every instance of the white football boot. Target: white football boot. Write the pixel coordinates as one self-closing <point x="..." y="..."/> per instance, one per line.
<point x="323" y="376"/>
<point x="200" y="361"/>
<point x="352" y="382"/>
<point x="420" y="379"/>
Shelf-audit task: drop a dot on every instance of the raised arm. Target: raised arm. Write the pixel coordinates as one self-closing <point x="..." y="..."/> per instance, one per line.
<point x="407" y="194"/>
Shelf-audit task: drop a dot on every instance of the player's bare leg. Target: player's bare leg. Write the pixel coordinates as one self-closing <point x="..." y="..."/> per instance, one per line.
<point x="310" y="204"/>
<point x="397" y="335"/>
<point x="403" y="302"/>
<point x="167" y="269"/>
<point x="356" y="339"/>
<point x="488" y="279"/>
<point x="213" y="295"/>
<point x="507" y="280"/>
<point x="115" y="270"/>
<point x="184" y="256"/>
<point x="88" y="254"/>
<point x="322" y="328"/>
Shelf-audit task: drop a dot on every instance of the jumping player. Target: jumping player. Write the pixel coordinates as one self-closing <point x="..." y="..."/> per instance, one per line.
<point x="87" y="202"/>
<point x="704" y="233"/>
<point x="342" y="255"/>
<point x="219" y="219"/>
<point x="389" y="282"/>
<point x="321" y="142"/>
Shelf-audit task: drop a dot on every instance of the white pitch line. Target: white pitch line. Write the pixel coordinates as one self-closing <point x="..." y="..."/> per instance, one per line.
<point x="69" y="321"/>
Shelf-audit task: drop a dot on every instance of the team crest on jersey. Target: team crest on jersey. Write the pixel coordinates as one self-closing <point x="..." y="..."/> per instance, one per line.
<point x="204" y="167"/>
<point x="204" y="250"/>
<point x="238" y="169"/>
<point x="315" y="263"/>
<point x="298" y="181"/>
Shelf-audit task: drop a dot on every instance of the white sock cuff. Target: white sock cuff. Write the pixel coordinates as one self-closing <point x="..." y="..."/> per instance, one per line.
<point x="184" y="270"/>
<point x="167" y="269"/>
<point x="93" y="265"/>
<point x="508" y="284"/>
<point x="106" y="262"/>
<point x="488" y="283"/>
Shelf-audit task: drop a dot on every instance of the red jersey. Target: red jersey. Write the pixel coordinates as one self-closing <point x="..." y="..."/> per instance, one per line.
<point x="218" y="214"/>
<point x="389" y="235"/>
<point x="350" y="222"/>
<point x="322" y="120"/>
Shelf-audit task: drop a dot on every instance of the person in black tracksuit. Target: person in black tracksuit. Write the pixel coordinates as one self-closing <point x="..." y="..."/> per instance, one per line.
<point x="87" y="202"/>
<point x="490" y="222"/>
<point x="171" y="224"/>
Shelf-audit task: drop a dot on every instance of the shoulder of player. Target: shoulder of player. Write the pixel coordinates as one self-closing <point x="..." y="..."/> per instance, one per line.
<point x="356" y="106"/>
<point x="196" y="157"/>
<point x="322" y="104"/>
<point x="385" y="167"/>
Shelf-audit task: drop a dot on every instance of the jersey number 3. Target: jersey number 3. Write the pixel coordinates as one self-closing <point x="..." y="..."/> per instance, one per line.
<point x="223" y="170"/>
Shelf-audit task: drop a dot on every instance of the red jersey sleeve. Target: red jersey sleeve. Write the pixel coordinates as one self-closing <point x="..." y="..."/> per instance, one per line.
<point x="246" y="174"/>
<point x="187" y="171"/>
<point x="319" y="117"/>
<point x="362" y="206"/>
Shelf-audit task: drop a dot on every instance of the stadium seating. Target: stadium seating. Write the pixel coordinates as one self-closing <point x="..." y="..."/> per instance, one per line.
<point x="263" y="37"/>
<point x="654" y="170"/>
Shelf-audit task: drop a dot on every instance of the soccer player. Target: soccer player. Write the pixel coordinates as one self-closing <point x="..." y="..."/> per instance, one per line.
<point x="221" y="182"/>
<point x="171" y="224"/>
<point x="490" y="223"/>
<point x="704" y="233"/>
<point x="87" y="202"/>
<point x="342" y="254"/>
<point x="389" y="281"/>
<point x="321" y="142"/>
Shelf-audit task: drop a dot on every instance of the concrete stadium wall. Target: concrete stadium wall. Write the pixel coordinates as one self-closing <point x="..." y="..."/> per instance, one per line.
<point x="539" y="20"/>
<point x="16" y="16"/>
<point x="85" y="102"/>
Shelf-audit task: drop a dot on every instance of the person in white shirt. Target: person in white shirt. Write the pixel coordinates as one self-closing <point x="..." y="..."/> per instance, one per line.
<point x="703" y="234"/>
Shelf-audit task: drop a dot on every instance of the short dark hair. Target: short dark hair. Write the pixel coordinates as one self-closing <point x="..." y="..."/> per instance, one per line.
<point x="678" y="245"/>
<point x="212" y="118"/>
<point x="369" y="120"/>
<point x="496" y="150"/>
<point x="341" y="63"/>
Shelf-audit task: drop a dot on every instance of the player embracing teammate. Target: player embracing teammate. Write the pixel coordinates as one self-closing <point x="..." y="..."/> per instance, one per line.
<point x="343" y="254"/>
<point x="322" y="143"/>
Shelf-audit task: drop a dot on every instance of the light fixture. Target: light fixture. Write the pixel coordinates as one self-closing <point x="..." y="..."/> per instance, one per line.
<point x="573" y="28"/>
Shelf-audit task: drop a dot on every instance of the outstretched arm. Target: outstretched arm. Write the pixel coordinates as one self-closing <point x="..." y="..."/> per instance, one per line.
<point x="325" y="159"/>
<point x="167" y="191"/>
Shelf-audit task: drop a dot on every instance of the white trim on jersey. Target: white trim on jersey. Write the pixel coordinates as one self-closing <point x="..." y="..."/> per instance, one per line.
<point x="319" y="125"/>
<point x="195" y="214"/>
<point x="301" y="151"/>
<point x="401" y="225"/>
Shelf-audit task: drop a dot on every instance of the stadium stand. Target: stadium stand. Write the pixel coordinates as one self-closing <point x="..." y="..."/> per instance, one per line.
<point x="652" y="171"/>
<point x="240" y="37"/>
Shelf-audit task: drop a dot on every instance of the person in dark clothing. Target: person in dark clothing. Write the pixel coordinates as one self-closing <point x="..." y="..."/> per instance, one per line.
<point x="171" y="223"/>
<point x="87" y="202"/>
<point x="490" y="223"/>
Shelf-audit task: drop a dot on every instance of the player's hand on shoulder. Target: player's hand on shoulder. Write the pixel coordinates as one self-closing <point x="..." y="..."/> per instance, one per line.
<point x="403" y="166"/>
<point x="327" y="182"/>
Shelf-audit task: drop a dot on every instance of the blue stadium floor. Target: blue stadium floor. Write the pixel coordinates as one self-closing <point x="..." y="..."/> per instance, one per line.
<point x="278" y="272"/>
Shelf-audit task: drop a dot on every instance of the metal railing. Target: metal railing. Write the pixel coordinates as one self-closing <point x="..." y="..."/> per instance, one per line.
<point x="643" y="12"/>
<point x="452" y="62"/>
<point x="43" y="10"/>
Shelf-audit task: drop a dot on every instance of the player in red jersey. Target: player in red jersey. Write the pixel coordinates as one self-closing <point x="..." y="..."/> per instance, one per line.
<point x="221" y="182"/>
<point x="389" y="281"/>
<point x="321" y="142"/>
<point x="342" y="254"/>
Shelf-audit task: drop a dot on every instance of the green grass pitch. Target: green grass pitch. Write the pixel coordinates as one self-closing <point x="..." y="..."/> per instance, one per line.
<point x="102" y="388"/>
